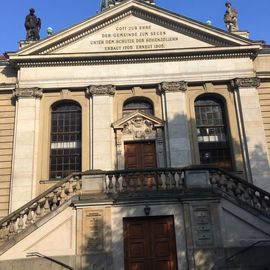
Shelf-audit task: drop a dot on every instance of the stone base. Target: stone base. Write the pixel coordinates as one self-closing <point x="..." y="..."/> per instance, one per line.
<point x="243" y="34"/>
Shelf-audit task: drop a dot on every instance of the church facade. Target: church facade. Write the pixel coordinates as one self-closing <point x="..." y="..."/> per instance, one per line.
<point x="136" y="139"/>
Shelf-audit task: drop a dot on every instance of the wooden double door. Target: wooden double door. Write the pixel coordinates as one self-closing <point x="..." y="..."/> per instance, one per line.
<point x="149" y="243"/>
<point x="140" y="155"/>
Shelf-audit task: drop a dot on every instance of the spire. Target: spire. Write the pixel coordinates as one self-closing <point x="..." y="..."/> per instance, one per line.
<point x="105" y="4"/>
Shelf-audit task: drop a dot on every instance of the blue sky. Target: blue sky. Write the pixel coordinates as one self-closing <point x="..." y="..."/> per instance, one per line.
<point x="254" y="16"/>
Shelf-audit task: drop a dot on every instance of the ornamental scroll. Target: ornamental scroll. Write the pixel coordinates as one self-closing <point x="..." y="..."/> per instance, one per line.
<point x="173" y="86"/>
<point x="101" y="90"/>
<point x="246" y="82"/>
<point x="28" y="92"/>
<point x="139" y="128"/>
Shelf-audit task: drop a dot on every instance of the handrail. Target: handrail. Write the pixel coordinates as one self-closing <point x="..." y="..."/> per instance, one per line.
<point x="246" y="249"/>
<point x="37" y="254"/>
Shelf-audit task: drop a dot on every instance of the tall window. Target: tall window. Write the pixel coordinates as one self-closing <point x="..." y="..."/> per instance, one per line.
<point x="65" y="154"/>
<point x="212" y="132"/>
<point x="133" y="105"/>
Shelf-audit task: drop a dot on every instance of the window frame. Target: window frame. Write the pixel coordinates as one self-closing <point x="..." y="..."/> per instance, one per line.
<point x="216" y="145"/>
<point x="78" y="164"/>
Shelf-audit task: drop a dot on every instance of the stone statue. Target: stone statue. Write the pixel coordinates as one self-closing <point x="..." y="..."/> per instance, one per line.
<point x="32" y="25"/>
<point x="230" y="18"/>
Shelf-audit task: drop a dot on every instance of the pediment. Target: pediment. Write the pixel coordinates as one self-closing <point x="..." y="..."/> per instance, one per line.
<point x="133" y="26"/>
<point x="138" y="119"/>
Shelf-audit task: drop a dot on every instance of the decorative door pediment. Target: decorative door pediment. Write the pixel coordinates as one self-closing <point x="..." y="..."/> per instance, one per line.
<point x="138" y="126"/>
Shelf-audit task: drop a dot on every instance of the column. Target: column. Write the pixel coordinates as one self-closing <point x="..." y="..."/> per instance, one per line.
<point x="252" y="122"/>
<point x="24" y="170"/>
<point x="103" y="135"/>
<point x="176" y="129"/>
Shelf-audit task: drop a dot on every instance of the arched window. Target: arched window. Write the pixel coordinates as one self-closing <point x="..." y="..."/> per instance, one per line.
<point x="133" y="105"/>
<point x="212" y="133"/>
<point x="65" y="152"/>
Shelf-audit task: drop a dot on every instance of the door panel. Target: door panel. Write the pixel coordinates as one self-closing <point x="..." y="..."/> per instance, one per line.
<point x="136" y="246"/>
<point x="150" y="244"/>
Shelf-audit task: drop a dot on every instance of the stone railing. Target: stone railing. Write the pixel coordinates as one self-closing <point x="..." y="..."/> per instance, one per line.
<point x="32" y="212"/>
<point x="235" y="187"/>
<point x="144" y="180"/>
<point x="188" y="178"/>
<point x="178" y="180"/>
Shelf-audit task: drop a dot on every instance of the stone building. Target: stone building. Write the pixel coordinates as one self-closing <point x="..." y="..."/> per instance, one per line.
<point x="136" y="139"/>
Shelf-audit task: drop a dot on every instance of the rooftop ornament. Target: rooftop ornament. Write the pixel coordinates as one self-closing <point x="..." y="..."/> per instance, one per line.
<point x="230" y="18"/>
<point x="49" y="31"/>
<point x="32" y="25"/>
<point x="105" y="4"/>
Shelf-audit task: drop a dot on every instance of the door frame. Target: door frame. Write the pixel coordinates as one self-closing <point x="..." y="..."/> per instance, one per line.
<point x="137" y="210"/>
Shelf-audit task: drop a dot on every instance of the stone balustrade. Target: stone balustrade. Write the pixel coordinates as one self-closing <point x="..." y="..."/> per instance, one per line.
<point x="245" y="193"/>
<point x="39" y="207"/>
<point x="178" y="180"/>
<point x="187" y="179"/>
<point x="144" y="180"/>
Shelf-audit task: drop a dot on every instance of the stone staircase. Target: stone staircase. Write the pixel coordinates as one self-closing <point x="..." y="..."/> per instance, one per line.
<point x="21" y="222"/>
<point x="117" y="185"/>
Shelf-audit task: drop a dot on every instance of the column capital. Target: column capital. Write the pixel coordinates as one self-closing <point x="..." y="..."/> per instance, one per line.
<point x="101" y="90"/>
<point x="252" y="82"/>
<point x="34" y="92"/>
<point x="180" y="86"/>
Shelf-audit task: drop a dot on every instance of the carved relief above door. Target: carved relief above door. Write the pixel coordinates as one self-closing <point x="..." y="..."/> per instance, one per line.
<point x="139" y="127"/>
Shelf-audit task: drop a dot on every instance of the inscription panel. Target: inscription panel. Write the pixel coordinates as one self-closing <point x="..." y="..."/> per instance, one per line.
<point x="93" y="227"/>
<point x="133" y="34"/>
<point x="202" y="225"/>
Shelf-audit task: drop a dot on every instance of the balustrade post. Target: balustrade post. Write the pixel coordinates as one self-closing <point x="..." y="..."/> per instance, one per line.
<point x="94" y="182"/>
<point x="197" y="179"/>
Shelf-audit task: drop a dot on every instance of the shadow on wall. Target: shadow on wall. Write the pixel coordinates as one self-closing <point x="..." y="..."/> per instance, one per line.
<point x="96" y="251"/>
<point x="260" y="167"/>
<point x="179" y="146"/>
<point x="101" y="251"/>
<point x="9" y="72"/>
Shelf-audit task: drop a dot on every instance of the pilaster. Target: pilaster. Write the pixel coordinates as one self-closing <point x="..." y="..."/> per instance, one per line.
<point x="25" y="148"/>
<point x="254" y="129"/>
<point x="102" y="118"/>
<point x="176" y="129"/>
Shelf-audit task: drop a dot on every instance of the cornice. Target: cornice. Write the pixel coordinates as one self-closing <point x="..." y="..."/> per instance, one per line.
<point x="28" y="92"/>
<point x="246" y="82"/>
<point x="7" y="86"/>
<point x="180" y="86"/>
<point x="119" y="59"/>
<point x="101" y="90"/>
